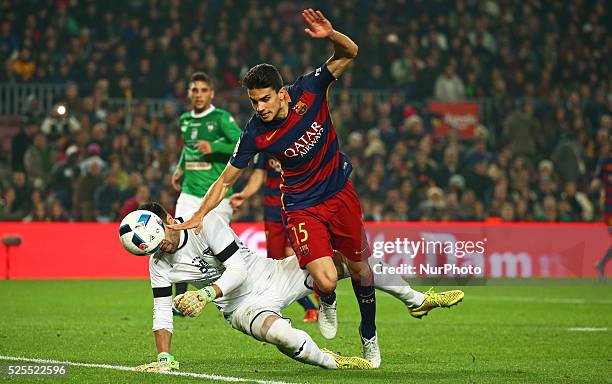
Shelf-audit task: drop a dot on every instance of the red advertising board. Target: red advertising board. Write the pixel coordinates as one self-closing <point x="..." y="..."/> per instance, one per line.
<point x="92" y="250"/>
<point x="460" y="117"/>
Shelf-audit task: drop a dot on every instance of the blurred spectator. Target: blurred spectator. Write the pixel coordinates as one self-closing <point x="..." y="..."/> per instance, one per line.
<point x="404" y="70"/>
<point x="569" y="160"/>
<point x="449" y="87"/>
<point x="71" y="99"/>
<point x="548" y="212"/>
<point x="507" y="212"/>
<point x="64" y="176"/>
<point x="520" y="130"/>
<point x="434" y="206"/>
<point x="478" y="180"/>
<point x="39" y="213"/>
<point x="58" y="212"/>
<point x="21" y="190"/>
<point x="83" y="197"/>
<point x="21" y="142"/>
<point x="8" y="212"/>
<point x="375" y="146"/>
<point x="448" y="168"/>
<point x="92" y="154"/>
<point x="9" y="39"/>
<point x="38" y="161"/>
<point x="142" y="196"/>
<point x="23" y="67"/>
<point x="32" y="112"/>
<point x="107" y="199"/>
<point x="60" y="124"/>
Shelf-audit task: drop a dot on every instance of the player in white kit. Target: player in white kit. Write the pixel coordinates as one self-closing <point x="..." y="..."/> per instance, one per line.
<point x="250" y="291"/>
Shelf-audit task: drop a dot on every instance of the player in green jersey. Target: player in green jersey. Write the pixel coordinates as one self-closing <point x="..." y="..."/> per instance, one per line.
<point x="210" y="135"/>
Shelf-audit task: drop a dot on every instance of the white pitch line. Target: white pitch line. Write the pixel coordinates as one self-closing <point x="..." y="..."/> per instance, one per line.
<point x="587" y="329"/>
<point x="543" y="300"/>
<point x="124" y="368"/>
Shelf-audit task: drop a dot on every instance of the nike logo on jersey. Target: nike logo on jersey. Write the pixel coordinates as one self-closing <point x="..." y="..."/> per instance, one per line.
<point x="306" y="142"/>
<point x="270" y="136"/>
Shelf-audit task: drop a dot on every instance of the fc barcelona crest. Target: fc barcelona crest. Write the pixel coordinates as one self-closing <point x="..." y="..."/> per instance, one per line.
<point x="300" y="108"/>
<point x="304" y="250"/>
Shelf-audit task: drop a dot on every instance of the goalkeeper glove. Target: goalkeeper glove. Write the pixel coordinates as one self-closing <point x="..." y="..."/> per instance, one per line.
<point x="165" y="363"/>
<point x="191" y="303"/>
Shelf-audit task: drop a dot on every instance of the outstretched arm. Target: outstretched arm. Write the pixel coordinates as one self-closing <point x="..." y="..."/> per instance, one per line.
<point x="345" y="49"/>
<point x="255" y="181"/>
<point x="212" y="199"/>
<point x="162" y="329"/>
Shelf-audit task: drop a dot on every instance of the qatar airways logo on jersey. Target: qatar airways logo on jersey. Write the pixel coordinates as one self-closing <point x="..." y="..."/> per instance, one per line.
<point x="306" y="142"/>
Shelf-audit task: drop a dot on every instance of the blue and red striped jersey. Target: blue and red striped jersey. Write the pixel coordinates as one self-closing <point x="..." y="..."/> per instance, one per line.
<point x="272" y="193"/>
<point x="305" y="144"/>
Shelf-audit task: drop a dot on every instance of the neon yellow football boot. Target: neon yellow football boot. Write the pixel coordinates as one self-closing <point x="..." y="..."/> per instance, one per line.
<point x="348" y="362"/>
<point x="434" y="300"/>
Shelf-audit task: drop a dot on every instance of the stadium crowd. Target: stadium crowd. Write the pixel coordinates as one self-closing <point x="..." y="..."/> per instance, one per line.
<point x="542" y="69"/>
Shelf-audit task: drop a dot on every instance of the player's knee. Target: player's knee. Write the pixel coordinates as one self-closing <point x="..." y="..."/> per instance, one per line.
<point x="325" y="277"/>
<point x="326" y="286"/>
<point x="360" y="271"/>
<point x="261" y="325"/>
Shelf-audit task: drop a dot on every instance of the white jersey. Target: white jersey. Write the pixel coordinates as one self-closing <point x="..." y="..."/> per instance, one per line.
<point x="217" y="256"/>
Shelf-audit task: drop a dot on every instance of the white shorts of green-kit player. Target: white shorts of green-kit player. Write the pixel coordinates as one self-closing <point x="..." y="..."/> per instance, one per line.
<point x="187" y="205"/>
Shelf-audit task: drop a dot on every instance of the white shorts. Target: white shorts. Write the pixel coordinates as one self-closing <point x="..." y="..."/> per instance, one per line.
<point x="286" y="284"/>
<point x="187" y="205"/>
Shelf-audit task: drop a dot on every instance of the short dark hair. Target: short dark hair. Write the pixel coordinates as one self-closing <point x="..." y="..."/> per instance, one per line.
<point x="156" y="208"/>
<point x="263" y="76"/>
<point x="201" y="76"/>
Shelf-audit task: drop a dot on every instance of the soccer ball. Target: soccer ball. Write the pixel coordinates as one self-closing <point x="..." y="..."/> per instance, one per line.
<point x="141" y="232"/>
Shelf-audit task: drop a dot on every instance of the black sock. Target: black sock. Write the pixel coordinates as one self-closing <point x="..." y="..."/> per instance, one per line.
<point x="329" y="300"/>
<point x="306" y="303"/>
<point x="180" y="288"/>
<point x="366" y="298"/>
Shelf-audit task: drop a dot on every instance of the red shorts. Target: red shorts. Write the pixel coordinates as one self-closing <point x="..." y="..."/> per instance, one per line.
<point x="276" y="239"/>
<point x="334" y="224"/>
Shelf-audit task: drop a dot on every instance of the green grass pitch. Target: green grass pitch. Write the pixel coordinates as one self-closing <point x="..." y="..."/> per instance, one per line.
<point x="499" y="334"/>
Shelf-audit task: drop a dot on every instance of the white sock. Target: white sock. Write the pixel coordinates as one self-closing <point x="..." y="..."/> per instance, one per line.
<point x="396" y="287"/>
<point x="404" y="292"/>
<point x="298" y="345"/>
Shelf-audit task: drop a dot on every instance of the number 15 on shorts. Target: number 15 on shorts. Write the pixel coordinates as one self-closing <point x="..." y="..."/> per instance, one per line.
<point x="300" y="235"/>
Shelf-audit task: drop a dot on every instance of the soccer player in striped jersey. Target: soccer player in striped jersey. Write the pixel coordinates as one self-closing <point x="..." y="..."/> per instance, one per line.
<point x="321" y="210"/>
<point x="267" y="171"/>
<point x="266" y="168"/>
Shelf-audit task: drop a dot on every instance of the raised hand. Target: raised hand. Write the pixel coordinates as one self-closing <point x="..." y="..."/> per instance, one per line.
<point x="175" y="180"/>
<point x="204" y="147"/>
<point x="236" y="200"/>
<point x="318" y="26"/>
